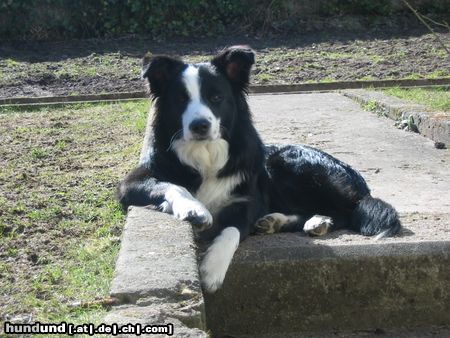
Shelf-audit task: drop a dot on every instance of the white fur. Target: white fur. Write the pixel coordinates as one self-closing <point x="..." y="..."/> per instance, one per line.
<point x="215" y="192"/>
<point x="196" y="108"/>
<point x="182" y="204"/>
<point x="318" y="225"/>
<point x="208" y="157"/>
<point x="381" y="235"/>
<point x="218" y="258"/>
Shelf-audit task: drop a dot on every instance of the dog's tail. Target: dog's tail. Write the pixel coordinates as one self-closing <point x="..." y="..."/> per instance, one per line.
<point x="374" y="217"/>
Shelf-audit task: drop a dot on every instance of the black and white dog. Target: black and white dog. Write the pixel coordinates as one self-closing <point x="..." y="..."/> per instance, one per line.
<point x="208" y="166"/>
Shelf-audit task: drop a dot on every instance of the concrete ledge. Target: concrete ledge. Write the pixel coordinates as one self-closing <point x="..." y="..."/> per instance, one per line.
<point x="154" y="314"/>
<point x="434" y="125"/>
<point x="156" y="259"/>
<point x="289" y="284"/>
<point x="156" y="273"/>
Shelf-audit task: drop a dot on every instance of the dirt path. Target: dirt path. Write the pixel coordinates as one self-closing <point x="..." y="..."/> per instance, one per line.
<point x="103" y="66"/>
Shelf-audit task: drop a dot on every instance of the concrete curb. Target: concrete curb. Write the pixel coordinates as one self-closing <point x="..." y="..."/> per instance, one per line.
<point x="296" y="285"/>
<point x="156" y="277"/>
<point x="259" y="89"/>
<point x="433" y="125"/>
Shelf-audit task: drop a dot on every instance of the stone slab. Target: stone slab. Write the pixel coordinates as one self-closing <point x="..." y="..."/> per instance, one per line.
<point x="291" y="286"/>
<point x="157" y="259"/>
<point x="180" y="317"/>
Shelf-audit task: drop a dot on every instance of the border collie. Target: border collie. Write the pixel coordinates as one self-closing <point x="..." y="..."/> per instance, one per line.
<point x="208" y="165"/>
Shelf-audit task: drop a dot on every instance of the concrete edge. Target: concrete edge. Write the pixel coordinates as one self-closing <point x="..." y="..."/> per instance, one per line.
<point x="305" y="250"/>
<point x="308" y="288"/>
<point x="156" y="279"/>
<point x="434" y="125"/>
<point x="256" y="89"/>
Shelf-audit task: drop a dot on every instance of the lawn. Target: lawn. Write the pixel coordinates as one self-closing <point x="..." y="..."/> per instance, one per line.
<point x="437" y="98"/>
<point x="60" y="224"/>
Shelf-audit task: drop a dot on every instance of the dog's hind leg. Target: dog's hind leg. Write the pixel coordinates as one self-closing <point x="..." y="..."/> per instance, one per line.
<point x="274" y="222"/>
<point x="316" y="225"/>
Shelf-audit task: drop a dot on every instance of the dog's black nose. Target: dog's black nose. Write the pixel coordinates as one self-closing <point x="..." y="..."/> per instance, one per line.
<point x="200" y="127"/>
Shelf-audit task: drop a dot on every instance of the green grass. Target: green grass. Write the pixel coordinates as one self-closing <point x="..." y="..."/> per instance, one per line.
<point x="437" y="98"/>
<point x="374" y="107"/>
<point x="59" y="220"/>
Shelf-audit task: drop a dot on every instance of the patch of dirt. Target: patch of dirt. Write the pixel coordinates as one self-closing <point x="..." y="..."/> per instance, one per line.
<point x="103" y="66"/>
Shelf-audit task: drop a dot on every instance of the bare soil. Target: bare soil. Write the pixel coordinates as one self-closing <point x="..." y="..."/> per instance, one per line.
<point x="104" y="66"/>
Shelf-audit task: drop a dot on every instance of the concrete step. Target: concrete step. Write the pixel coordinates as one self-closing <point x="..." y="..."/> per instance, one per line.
<point x="288" y="284"/>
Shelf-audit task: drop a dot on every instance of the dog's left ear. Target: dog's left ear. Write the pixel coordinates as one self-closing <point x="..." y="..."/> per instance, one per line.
<point x="235" y="63"/>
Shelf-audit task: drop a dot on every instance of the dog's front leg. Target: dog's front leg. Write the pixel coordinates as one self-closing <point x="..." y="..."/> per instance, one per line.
<point x="218" y="257"/>
<point x="141" y="189"/>
<point x="180" y="202"/>
<point x="234" y="220"/>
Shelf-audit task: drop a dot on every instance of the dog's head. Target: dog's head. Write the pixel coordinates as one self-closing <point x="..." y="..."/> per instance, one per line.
<point x="199" y="101"/>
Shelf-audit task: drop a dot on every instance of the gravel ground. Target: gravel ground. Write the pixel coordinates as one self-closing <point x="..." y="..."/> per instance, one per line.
<point x="104" y="66"/>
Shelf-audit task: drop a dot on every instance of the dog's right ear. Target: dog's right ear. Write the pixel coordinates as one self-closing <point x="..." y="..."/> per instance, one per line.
<point x="159" y="70"/>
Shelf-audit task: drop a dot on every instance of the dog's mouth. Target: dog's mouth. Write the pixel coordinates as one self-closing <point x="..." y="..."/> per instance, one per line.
<point x="201" y="138"/>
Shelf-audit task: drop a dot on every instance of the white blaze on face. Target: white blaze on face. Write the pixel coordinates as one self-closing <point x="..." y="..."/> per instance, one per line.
<point x="196" y="109"/>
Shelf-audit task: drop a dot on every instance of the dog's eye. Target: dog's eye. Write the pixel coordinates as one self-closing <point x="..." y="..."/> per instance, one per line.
<point x="215" y="98"/>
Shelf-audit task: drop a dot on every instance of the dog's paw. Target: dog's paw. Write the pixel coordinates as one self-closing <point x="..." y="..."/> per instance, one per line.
<point x="267" y="225"/>
<point x="212" y="272"/>
<point x="272" y="223"/>
<point x="217" y="259"/>
<point x="318" y="225"/>
<point x="194" y="212"/>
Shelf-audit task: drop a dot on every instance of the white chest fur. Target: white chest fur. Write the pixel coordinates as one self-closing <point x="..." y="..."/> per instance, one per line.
<point x="208" y="157"/>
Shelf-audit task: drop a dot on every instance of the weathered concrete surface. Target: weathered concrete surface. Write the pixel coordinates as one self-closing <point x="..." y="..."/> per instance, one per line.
<point x="421" y="332"/>
<point x="156" y="272"/>
<point x="289" y="284"/>
<point x="155" y="314"/>
<point x="431" y="124"/>
<point x="156" y="259"/>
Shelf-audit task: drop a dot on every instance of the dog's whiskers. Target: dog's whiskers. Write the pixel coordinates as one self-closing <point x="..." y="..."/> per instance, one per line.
<point x="173" y="138"/>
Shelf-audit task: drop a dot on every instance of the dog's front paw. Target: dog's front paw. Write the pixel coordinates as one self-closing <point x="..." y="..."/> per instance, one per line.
<point x="212" y="272"/>
<point x="217" y="259"/>
<point x="194" y="212"/>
